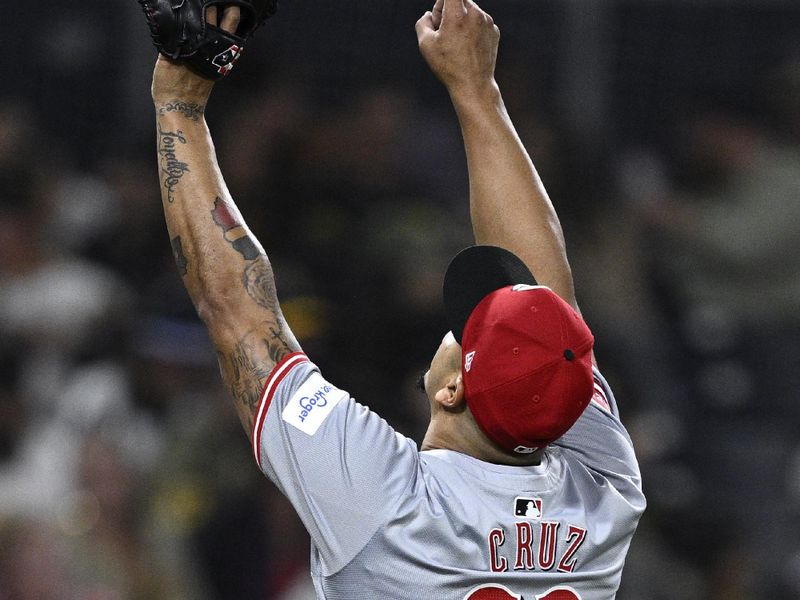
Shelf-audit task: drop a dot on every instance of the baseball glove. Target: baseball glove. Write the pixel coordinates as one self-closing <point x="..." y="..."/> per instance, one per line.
<point x="180" y="31"/>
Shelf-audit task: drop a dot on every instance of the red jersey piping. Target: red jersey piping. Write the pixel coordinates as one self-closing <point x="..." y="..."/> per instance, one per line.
<point x="275" y="377"/>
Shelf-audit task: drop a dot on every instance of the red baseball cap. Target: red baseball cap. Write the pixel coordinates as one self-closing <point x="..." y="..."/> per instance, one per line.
<point x="526" y="355"/>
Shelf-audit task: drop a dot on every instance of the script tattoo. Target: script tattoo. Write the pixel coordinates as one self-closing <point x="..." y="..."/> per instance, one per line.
<point x="233" y="230"/>
<point x="171" y="168"/>
<point x="180" y="257"/>
<point x="191" y="111"/>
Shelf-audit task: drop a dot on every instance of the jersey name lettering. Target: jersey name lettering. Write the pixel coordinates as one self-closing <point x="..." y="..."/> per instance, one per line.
<point x="497" y="563"/>
<point x="495" y="591"/>
<point x="537" y="547"/>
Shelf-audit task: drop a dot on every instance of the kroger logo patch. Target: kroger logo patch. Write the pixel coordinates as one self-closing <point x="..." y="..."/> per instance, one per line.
<point x="311" y="404"/>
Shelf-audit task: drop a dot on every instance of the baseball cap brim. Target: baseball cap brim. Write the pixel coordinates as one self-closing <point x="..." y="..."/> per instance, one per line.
<point x="474" y="273"/>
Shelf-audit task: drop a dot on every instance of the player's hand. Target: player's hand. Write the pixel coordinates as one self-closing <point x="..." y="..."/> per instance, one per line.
<point x="459" y="42"/>
<point x="174" y="81"/>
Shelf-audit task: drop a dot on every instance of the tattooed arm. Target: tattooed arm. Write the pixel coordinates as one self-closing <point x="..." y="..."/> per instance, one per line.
<point x="224" y="268"/>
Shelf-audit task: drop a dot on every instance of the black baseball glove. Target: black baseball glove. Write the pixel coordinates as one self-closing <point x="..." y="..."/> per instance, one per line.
<point x="180" y="31"/>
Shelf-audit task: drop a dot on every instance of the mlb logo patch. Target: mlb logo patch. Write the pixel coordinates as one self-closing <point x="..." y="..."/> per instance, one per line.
<point x="527" y="508"/>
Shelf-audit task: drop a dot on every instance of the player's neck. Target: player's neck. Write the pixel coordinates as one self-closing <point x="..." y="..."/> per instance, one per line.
<point x="462" y="434"/>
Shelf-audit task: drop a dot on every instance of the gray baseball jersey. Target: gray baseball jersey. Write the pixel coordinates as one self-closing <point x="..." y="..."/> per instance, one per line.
<point x="390" y="522"/>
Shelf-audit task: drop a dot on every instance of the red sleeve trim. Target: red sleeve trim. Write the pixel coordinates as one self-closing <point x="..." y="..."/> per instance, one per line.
<point x="275" y="377"/>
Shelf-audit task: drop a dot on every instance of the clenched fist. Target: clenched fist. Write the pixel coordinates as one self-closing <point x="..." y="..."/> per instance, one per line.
<point x="459" y="41"/>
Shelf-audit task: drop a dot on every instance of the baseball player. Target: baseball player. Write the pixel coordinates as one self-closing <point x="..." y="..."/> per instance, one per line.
<point x="526" y="484"/>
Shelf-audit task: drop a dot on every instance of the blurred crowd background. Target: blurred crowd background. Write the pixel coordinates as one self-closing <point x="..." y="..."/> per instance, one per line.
<point x="668" y="135"/>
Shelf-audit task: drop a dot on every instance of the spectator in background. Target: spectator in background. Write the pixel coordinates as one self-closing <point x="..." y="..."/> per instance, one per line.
<point x="726" y="258"/>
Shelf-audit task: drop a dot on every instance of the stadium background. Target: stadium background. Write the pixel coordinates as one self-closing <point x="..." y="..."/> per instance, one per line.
<point x="668" y="135"/>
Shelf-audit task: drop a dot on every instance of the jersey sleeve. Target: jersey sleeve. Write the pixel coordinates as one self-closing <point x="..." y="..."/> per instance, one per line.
<point x="343" y="468"/>
<point x="602" y="444"/>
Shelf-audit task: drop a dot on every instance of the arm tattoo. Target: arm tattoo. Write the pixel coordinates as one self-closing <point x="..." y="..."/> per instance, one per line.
<point x="278" y="346"/>
<point x="260" y="285"/>
<point x="171" y="168"/>
<point x="246" y="368"/>
<point x="180" y="257"/>
<point x="246" y="375"/>
<point x="233" y="230"/>
<point x="191" y="111"/>
<point x="257" y="278"/>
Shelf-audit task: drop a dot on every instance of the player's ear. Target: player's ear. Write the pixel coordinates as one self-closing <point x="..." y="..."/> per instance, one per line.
<point x="451" y="396"/>
<point x="459" y="393"/>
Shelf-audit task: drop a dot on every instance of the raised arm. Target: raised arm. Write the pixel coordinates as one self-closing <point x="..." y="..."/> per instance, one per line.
<point x="224" y="268"/>
<point x="508" y="203"/>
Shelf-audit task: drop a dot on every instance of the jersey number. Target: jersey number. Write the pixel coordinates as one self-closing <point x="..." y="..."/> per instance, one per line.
<point x="500" y="592"/>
